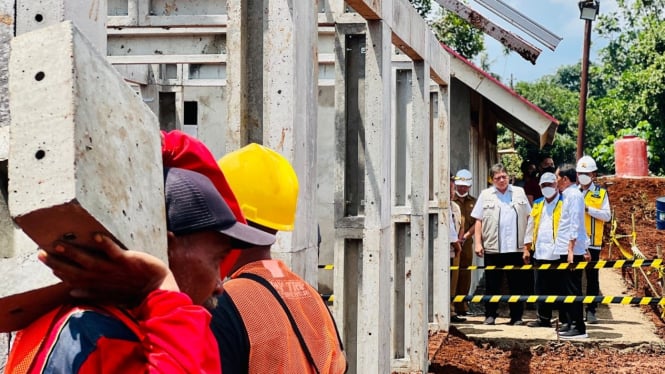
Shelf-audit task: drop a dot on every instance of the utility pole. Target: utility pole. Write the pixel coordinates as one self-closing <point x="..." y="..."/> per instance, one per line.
<point x="588" y="12"/>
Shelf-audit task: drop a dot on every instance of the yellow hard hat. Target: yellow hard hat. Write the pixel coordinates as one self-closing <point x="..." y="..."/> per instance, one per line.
<point x="265" y="185"/>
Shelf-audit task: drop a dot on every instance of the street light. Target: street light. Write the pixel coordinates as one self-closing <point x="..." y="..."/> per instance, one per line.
<point x="589" y="9"/>
<point x="588" y="12"/>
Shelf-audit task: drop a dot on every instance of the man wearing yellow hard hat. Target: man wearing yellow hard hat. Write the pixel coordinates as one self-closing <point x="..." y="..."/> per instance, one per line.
<point x="268" y="318"/>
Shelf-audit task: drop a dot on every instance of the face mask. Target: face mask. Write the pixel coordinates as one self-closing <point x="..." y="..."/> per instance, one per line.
<point x="584" y="179"/>
<point x="461" y="195"/>
<point x="548" y="192"/>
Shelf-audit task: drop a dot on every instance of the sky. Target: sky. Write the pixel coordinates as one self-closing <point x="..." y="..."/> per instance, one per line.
<point x="561" y="17"/>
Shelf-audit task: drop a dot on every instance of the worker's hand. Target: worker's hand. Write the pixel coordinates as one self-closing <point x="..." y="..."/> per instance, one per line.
<point x="458" y="248"/>
<point x="479" y="250"/>
<point x="107" y="272"/>
<point x="570" y="257"/>
<point x="526" y="256"/>
<point x="587" y="256"/>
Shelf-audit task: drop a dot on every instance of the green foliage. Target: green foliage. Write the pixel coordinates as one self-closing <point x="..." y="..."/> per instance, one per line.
<point x="458" y="34"/>
<point x="512" y="161"/>
<point x="423" y="7"/>
<point x="626" y="90"/>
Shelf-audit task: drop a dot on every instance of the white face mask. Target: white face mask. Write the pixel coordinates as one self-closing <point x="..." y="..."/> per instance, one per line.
<point x="461" y="195"/>
<point x="548" y="192"/>
<point x="584" y="179"/>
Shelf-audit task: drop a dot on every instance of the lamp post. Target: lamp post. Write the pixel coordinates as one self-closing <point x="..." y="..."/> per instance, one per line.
<point x="588" y="12"/>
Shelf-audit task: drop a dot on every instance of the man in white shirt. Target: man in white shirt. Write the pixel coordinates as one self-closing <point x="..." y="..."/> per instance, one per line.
<point x="571" y="245"/>
<point x="501" y="214"/>
<point x="597" y="213"/>
<point x="540" y="244"/>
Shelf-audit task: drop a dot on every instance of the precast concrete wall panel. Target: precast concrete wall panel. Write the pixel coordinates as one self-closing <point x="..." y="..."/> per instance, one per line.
<point x="6" y="35"/>
<point x="89" y="17"/>
<point x="85" y="153"/>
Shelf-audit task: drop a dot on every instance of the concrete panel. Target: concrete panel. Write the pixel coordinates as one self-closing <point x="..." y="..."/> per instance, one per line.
<point x="82" y="162"/>
<point x="212" y="108"/>
<point x="6" y="33"/>
<point x="89" y="17"/>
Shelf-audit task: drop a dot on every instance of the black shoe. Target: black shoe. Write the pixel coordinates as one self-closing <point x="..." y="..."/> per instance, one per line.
<point x="565" y="327"/>
<point x="517" y="322"/>
<point x="539" y="323"/>
<point x="456" y="319"/>
<point x="462" y="314"/>
<point x="573" y="334"/>
<point x="489" y="321"/>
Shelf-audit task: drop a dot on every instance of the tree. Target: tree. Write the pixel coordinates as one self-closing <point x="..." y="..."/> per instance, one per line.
<point x="626" y="89"/>
<point x="458" y="34"/>
<point x="633" y="70"/>
<point x="423" y="7"/>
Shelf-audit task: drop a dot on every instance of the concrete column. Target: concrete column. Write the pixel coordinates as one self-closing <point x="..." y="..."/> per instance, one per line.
<point x="419" y="152"/>
<point x="374" y="330"/>
<point x="236" y="75"/>
<point x="289" y="94"/>
<point x="441" y="257"/>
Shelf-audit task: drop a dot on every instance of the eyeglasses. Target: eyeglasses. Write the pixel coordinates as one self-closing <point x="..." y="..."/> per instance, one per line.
<point x="500" y="177"/>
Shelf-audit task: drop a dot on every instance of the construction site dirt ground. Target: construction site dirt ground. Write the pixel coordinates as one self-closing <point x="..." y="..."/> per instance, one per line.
<point x="627" y="339"/>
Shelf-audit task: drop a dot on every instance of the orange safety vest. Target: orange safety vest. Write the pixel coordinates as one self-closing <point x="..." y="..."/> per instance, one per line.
<point x="32" y="345"/>
<point x="274" y="345"/>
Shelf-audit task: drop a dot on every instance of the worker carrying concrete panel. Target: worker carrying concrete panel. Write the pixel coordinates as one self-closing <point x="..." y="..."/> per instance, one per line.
<point x="165" y="323"/>
<point x="269" y="319"/>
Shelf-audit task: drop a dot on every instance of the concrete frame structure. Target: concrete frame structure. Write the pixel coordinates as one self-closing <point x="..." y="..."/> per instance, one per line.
<point x="373" y="155"/>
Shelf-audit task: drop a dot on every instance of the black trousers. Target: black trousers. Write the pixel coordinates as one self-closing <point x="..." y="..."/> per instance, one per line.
<point x="547" y="282"/>
<point x="592" y="285"/>
<point x="572" y="281"/>
<point x="494" y="278"/>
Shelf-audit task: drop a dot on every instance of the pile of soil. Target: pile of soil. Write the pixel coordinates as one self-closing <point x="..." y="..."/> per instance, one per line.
<point x="635" y="198"/>
<point x="452" y="352"/>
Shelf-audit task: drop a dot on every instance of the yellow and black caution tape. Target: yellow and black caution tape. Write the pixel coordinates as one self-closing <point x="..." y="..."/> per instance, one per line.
<point x="560" y="299"/>
<point x="328" y="298"/>
<point x="327" y="267"/>
<point x="657" y="263"/>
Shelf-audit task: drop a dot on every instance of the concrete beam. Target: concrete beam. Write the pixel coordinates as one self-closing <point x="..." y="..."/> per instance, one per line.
<point x="410" y="33"/>
<point x="84" y="149"/>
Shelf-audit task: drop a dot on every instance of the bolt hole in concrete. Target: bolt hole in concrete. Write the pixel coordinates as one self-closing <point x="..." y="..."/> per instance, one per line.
<point x="69" y="236"/>
<point x="39" y="17"/>
<point x="39" y="76"/>
<point x="40" y="154"/>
